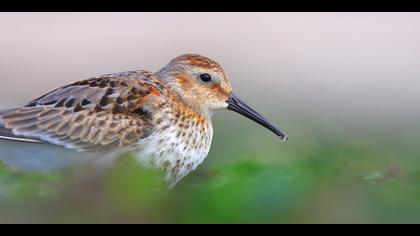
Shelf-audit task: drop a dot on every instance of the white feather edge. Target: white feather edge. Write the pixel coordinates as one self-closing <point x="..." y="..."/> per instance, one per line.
<point x="13" y="138"/>
<point x="19" y="139"/>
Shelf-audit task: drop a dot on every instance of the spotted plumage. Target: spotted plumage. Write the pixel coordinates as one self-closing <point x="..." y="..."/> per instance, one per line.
<point x="164" y="117"/>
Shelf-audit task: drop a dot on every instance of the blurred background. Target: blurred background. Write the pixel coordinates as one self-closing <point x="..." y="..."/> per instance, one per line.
<point x="344" y="86"/>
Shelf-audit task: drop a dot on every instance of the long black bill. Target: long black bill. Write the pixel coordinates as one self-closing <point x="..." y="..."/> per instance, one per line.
<point x="235" y="104"/>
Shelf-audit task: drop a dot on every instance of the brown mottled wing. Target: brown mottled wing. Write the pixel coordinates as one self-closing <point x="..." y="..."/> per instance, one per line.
<point x="103" y="112"/>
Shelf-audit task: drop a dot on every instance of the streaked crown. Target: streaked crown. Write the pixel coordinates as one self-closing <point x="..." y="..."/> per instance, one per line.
<point x="199" y="81"/>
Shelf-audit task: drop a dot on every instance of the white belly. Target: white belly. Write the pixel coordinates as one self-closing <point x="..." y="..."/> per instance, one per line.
<point x="176" y="152"/>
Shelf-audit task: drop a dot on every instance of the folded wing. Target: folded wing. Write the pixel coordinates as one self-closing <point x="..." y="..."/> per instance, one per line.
<point x="114" y="110"/>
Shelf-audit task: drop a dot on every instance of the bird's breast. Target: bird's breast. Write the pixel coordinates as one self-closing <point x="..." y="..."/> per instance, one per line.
<point x="181" y="142"/>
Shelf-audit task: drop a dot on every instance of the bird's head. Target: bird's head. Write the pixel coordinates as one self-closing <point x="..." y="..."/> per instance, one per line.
<point x="203" y="85"/>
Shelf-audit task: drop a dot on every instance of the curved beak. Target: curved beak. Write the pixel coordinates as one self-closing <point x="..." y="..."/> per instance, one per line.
<point x="237" y="105"/>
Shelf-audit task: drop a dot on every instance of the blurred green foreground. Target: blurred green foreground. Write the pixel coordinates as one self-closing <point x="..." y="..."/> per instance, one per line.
<point x="322" y="175"/>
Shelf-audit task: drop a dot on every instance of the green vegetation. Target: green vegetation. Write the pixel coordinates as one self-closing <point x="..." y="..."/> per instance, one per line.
<point x="319" y="176"/>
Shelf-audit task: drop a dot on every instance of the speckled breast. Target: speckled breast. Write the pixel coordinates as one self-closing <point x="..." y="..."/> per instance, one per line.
<point x="181" y="142"/>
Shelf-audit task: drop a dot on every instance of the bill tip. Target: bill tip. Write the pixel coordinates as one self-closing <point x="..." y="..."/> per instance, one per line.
<point x="284" y="138"/>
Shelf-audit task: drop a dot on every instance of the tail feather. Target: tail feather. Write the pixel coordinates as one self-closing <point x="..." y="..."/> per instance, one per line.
<point x="7" y="134"/>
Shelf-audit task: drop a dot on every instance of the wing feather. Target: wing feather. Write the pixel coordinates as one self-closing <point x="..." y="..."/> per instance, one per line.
<point x="98" y="113"/>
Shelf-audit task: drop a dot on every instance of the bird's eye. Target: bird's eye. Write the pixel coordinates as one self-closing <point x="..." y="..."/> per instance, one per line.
<point x="205" y="78"/>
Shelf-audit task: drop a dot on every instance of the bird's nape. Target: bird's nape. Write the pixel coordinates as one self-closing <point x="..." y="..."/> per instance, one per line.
<point x="237" y="105"/>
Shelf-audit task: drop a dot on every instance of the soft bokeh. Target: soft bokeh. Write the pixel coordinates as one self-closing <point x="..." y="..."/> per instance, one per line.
<point x="345" y="87"/>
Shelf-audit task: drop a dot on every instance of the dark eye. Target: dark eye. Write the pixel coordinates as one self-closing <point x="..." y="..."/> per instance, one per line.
<point x="205" y="78"/>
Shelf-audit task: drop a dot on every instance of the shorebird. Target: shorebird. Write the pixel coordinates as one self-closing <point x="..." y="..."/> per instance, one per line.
<point x="163" y="117"/>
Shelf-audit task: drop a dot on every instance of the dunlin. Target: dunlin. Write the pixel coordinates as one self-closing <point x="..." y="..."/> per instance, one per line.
<point x="163" y="117"/>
